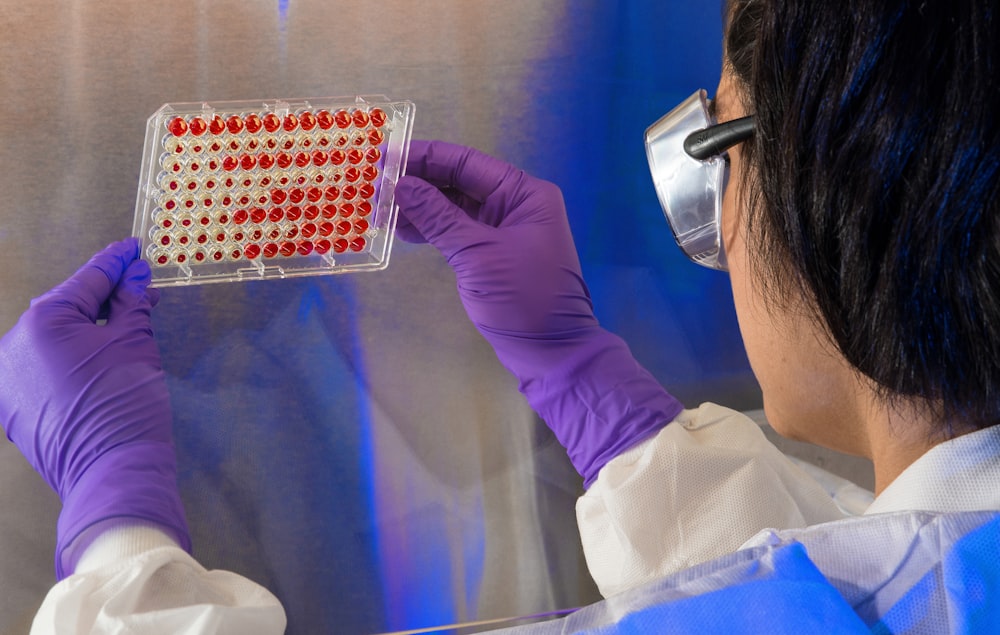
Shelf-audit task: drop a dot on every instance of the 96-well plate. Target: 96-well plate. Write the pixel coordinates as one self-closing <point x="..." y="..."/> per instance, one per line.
<point x="252" y="190"/>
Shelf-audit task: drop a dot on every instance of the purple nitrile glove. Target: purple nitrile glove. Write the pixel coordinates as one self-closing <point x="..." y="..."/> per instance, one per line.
<point x="88" y="406"/>
<point x="506" y="235"/>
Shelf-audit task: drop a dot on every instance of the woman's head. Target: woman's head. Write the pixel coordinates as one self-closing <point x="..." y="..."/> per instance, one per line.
<point x="871" y="188"/>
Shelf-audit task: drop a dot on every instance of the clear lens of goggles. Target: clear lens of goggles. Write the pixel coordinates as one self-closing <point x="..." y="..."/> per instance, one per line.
<point x="690" y="190"/>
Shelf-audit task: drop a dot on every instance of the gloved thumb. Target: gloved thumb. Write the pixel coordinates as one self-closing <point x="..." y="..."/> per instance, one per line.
<point x="92" y="284"/>
<point x="131" y="295"/>
<point x="427" y="211"/>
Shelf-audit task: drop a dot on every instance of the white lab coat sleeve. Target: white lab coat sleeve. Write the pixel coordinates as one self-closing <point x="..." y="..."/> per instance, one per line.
<point x="700" y="488"/>
<point x="135" y="579"/>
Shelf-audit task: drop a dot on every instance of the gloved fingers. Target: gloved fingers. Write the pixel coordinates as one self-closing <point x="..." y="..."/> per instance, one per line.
<point x="466" y="169"/>
<point x="92" y="284"/>
<point x="428" y="213"/>
<point x="130" y="295"/>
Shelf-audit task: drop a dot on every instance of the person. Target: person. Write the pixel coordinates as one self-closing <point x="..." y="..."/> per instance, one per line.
<point x="851" y="192"/>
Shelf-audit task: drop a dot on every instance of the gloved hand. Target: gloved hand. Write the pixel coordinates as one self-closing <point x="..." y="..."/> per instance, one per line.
<point x="507" y="237"/>
<point x="88" y="406"/>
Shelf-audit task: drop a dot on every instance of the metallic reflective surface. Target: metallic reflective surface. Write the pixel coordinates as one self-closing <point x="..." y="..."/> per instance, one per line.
<point x="351" y="442"/>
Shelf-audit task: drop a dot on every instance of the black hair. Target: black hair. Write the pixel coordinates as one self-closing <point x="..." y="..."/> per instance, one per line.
<point x="873" y="184"/>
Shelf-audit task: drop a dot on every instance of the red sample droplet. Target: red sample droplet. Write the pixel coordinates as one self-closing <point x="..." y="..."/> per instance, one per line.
<point x="278" y="197"/>
<point x="302" y="159"/>
<point x="291" y="231"/>
<point x="165" y="240"/>
<point x="352" y="174"/>
<point x="258" y="214"/>
<point x="311" y="212"/>
<point x="373" y="155"/>
<point x="270" y="250"/>
<point x="337" y="157"/>
<point x="275" y="214"/>
<point x="293" y="213"/>
<point x="271" y="122"/>
<point x="322" y="246"/>
<point x="314" y="194"/>
<point x="252" y="251"/>
<point x="366" y="190"/>
<point x="170" y="205"/>
<point x="198" y="126"/>
<point x="305" y="248"/>
<point x="284" y="160"/>
<point x="229" y="163"/>
<point x="369" y="172"/>
<point x="360" y="118"/>
<point x="375" y="136"/>
<point x="234" y="124"/>
<point x="329" y="210"/>
<point x="340" y="245"/>
<point x="248" y="162"/>
<point x="319" y="158"/>
<point x="325" y="228"/>
<point x="296" y="195"/>
<point x="252" y="145"/>
<point x="287" y="248"/>
<point x="290" y="123"/>
<point x="331" y="192"/>
<point x="378" y="117"/>
<point x="162" y="259"/>
<point x="181" y="258"/>
<point x="218" y="255"/>
<point x="201" y="238"/>
<point x="166" y="223"/>
<point x="307" y="120"/>
<point x="308" y="230"/>
<point x="324" y="119"/>
<point x="220" y="237"/>
<point x="239" y="236"/>
<point x="253" y="123"/>
<point x="177" y="126"/>
<point x="346" y="210"/>
<point x="355" y="156"/>
<point x="343" y="227"/>
<point x="236" y="253"/>
<point x="358" y="243"/>
<point x="265" y="161"/>
<point x="361" y="226"/>
<point x="342" y="119"/>
<point x="349" y="192"/>
<point x="217" y="125"/>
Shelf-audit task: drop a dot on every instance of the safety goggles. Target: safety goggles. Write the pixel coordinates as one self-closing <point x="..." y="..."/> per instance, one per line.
<point x="687" y="157"/>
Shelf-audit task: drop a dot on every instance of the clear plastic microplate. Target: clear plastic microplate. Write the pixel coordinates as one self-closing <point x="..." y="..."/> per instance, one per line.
<point x="253" y="190"/>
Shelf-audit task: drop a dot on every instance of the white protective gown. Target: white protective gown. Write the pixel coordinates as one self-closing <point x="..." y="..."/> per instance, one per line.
<point x="705" y="486"/>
